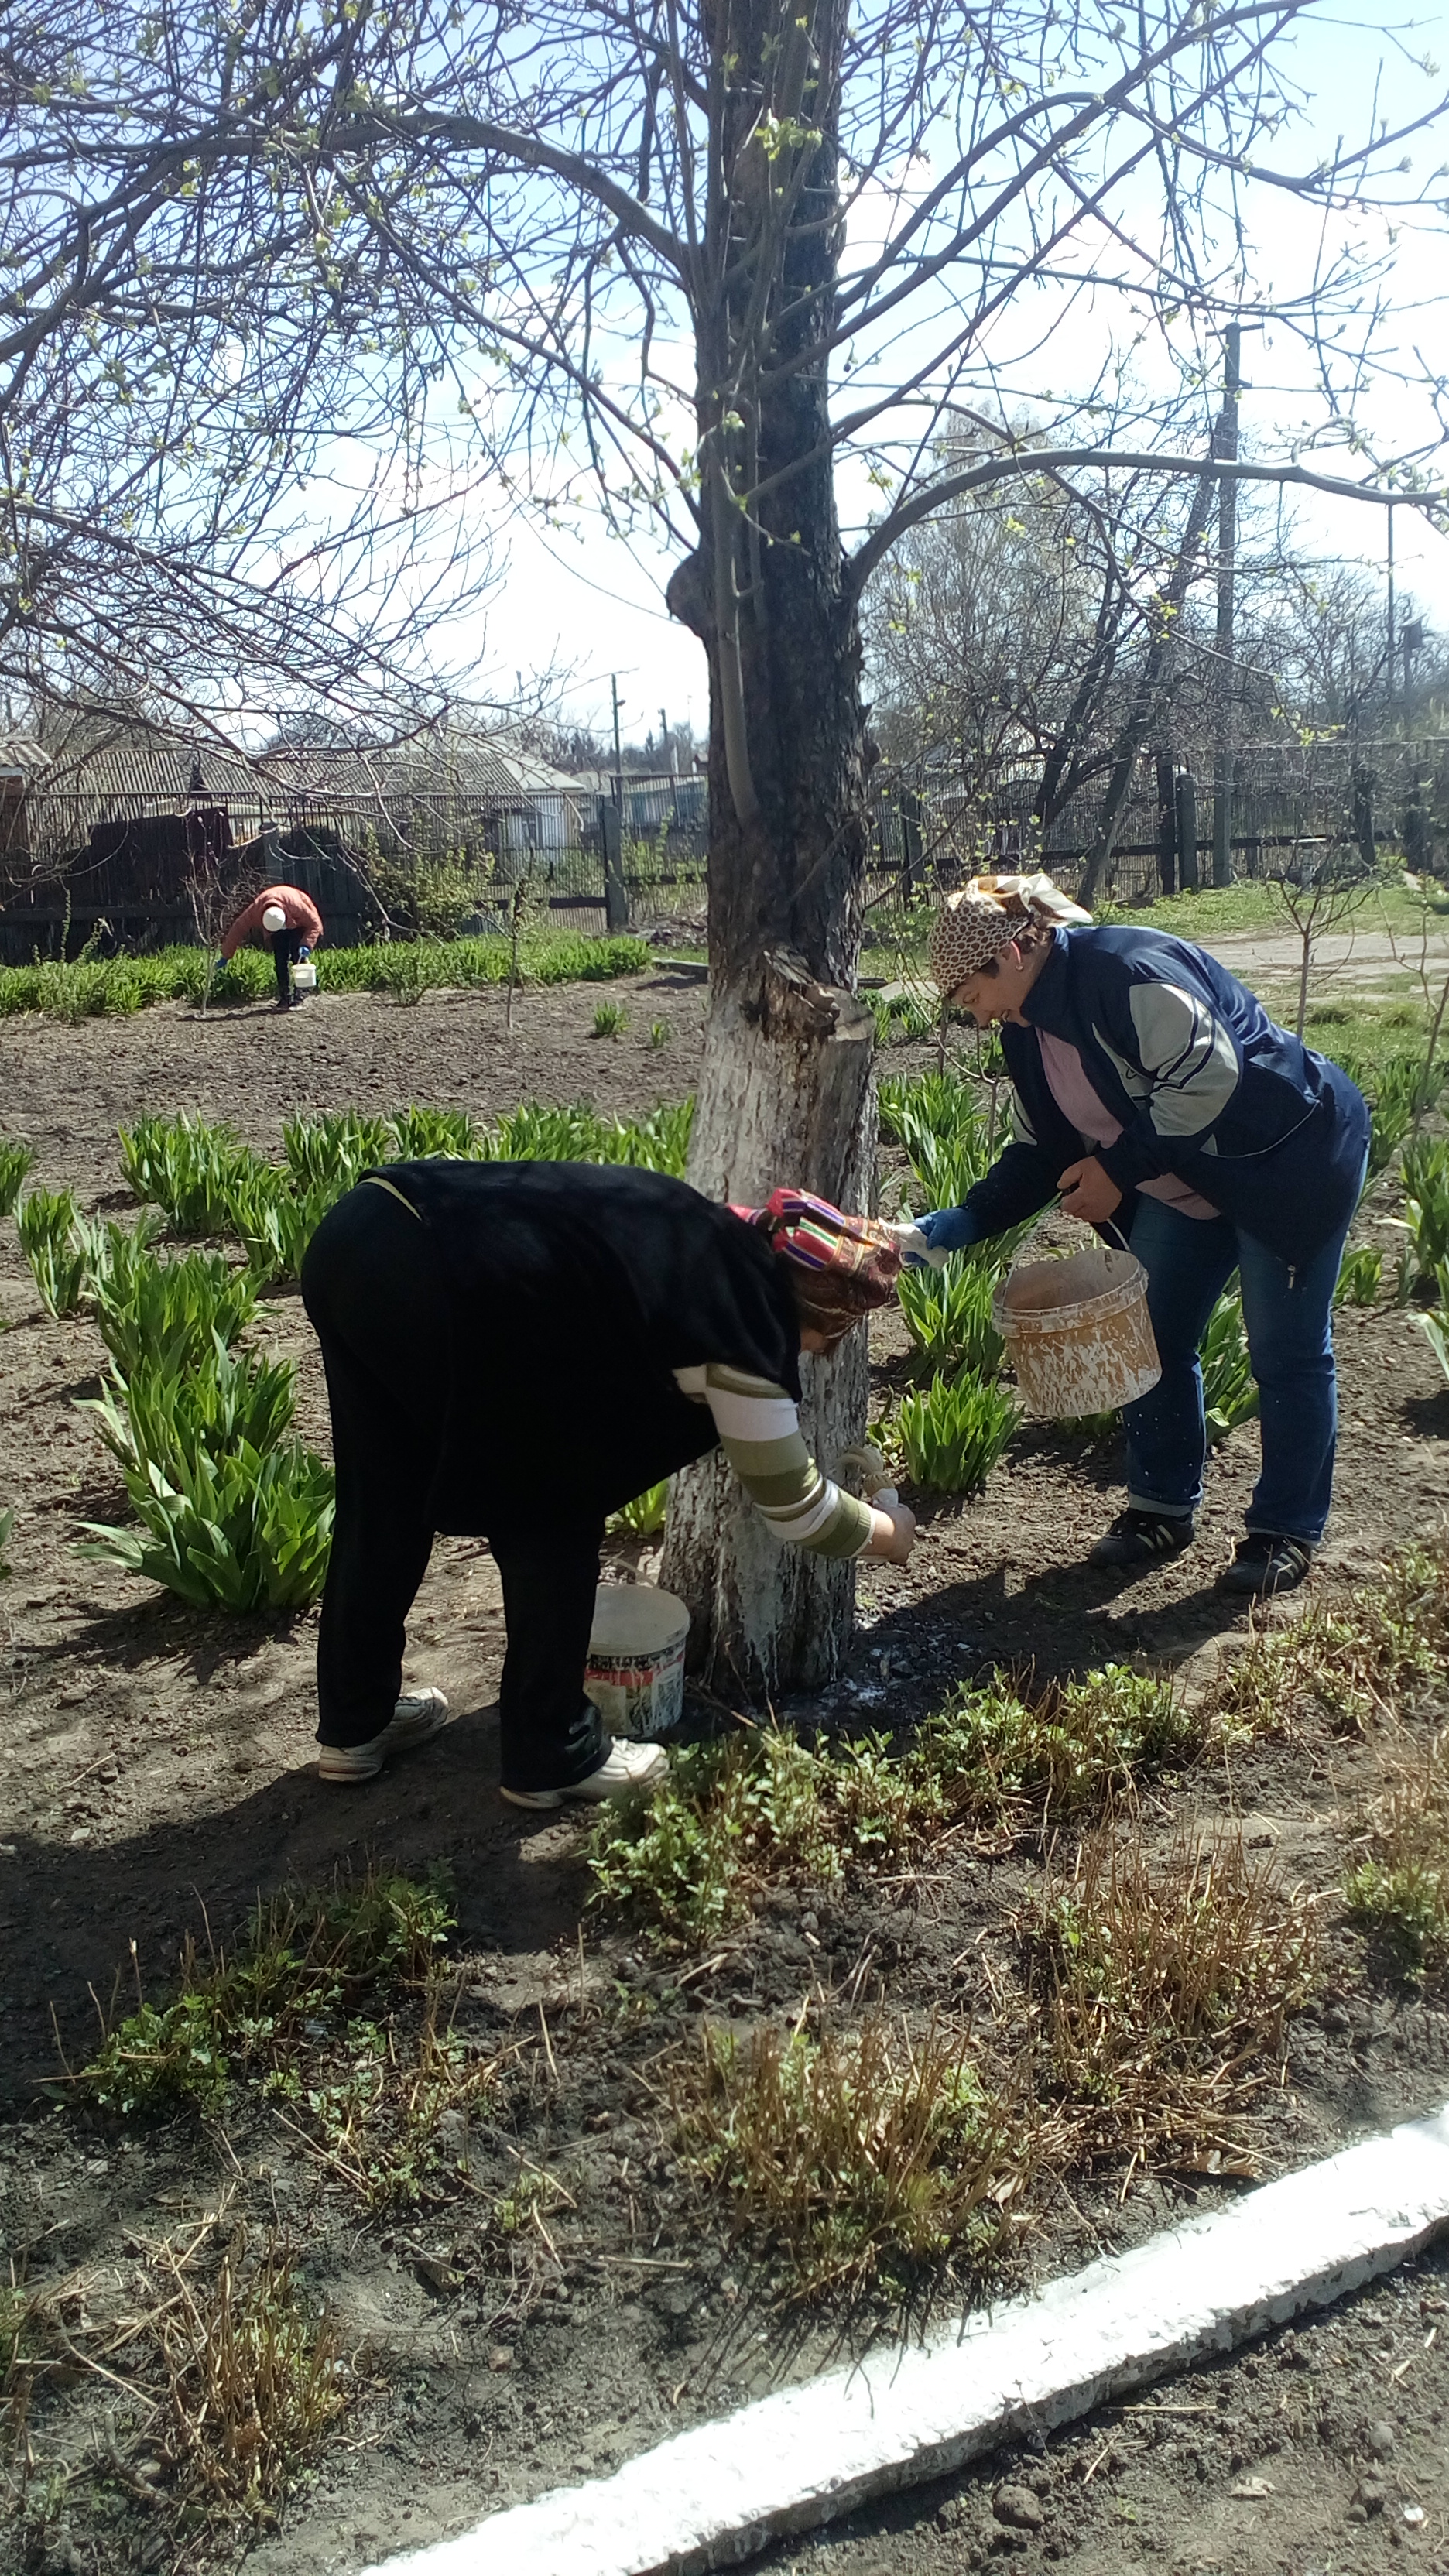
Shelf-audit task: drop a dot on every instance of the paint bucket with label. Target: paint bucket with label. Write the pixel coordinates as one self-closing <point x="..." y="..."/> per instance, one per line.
<point x="635" y="1671"/>
<point x="1078" y="1332"/>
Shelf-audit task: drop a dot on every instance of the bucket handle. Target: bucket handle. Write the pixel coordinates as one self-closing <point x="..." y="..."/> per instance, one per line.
<point x="1104" y="1225"/>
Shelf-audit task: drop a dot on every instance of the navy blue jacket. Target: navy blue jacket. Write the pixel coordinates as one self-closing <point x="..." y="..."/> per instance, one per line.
<point x="1205" y="1085"/>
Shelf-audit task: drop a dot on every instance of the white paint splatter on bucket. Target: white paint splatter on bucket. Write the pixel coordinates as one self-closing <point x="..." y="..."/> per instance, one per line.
<point x="635" y="1671"/>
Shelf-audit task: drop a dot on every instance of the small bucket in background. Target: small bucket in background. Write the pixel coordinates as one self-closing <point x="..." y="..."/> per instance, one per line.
<point x="1078" y="1332"/>
<point x="635" y="1671"/>
<point x="304" y="976"/>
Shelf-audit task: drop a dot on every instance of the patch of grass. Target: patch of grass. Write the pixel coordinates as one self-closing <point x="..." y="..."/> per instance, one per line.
<point x="610" y="1020"/>
<point x="660" y="1034"/>
<point x="7" y="1532"/>
<point x="953" y="1431"/>
<point x="1214" y="912"/>
<point x="1350" y="1660"/>
<point x="302" y="1955"/>
<point x="252" y="2380"/>
<point x="852" y="2154"/>
<point x="92" y="987"/>
<point x="1160" y="1994"/>
<point x="1401" y="1889"/>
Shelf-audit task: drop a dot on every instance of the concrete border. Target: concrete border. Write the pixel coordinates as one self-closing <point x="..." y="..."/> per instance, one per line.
<point x="713" y="2496"/>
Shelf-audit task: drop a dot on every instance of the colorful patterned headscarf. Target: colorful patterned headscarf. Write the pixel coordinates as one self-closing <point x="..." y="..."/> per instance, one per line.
<point x="846" y="1264"/>
<point x="985" y="915"/>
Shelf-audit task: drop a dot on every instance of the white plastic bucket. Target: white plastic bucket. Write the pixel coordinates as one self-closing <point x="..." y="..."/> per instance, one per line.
<point x="1079" y="1333"/>
<point x="304" y="976"/>
<point x="635" y="1671"/>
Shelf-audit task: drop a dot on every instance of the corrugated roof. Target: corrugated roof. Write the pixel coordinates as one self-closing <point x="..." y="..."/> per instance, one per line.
<point x="450" y="763"/>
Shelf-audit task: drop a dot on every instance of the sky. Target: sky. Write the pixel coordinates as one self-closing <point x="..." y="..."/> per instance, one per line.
<point x="586" y="605"/>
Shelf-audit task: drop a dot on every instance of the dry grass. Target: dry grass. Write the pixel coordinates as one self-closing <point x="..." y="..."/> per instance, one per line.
<point x="853" y="2153"/>
<point x="1400" y="1889"/>
<point x="219" y="2383"/>
<point x="1160" y="1995"/>
<point x="1353" y="1661"/>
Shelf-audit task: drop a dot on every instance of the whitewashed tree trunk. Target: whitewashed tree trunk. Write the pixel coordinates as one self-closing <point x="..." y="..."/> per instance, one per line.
<point x="785" y="1096"/>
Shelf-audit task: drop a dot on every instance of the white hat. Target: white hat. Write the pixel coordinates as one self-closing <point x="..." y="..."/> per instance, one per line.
<point x="274" y="919"/>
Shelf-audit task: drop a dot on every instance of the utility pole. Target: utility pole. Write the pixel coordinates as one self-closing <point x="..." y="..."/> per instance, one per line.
<point x="618" y="755"/>
<point x="664" y="748"/>
<point x="1225" y="445"/>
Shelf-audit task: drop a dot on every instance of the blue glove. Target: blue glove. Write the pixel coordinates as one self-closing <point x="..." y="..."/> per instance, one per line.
<point x="218" y="964"/>
<point x="303" y="951"/>
<point x="948" y="1230"/>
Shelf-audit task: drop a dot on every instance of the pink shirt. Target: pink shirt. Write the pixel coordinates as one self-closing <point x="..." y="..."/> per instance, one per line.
<point x="1078" y="1102"/>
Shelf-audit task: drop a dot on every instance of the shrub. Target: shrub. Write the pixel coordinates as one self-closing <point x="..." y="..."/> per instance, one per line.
<point x="243" y="1532"/>
<point x="163" y="1317"/>
<point x="948" y="1313"/>
<point x="16" y="1160"/>
<point x="48" y="1226"/>
<point x="954" y="1431"/>
<point x="416" y="1134"/>
<point x="1228" y="1393"/>
<point x="275" y="1222"/>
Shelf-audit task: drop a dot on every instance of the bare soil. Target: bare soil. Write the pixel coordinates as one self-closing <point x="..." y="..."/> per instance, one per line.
<point x="159" y="1775"/>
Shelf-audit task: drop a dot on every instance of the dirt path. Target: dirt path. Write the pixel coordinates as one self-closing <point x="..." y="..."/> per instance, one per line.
<point x="1360" y="960"/>
<point x="158" y="1774"/>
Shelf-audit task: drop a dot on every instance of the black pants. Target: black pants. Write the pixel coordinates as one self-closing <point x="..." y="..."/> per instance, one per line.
<point x="372" y="1288"/>
<point x="286" y="947"/>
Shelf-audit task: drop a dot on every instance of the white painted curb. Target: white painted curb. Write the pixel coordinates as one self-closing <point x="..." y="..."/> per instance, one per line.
<point x="713" y="2496"/>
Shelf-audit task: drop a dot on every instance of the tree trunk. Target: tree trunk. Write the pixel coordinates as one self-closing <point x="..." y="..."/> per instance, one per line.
<point x="785" y="1089"/>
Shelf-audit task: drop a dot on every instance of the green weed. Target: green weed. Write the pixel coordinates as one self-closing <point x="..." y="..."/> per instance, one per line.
<point x="999" y="1748"/>
<point x="1351" y="1661"/>
<point x="7" y="1532"/>
<point x="610" y="1020"/>
<point x="936" y="1117"/>
<point x="331" y="1151"/>
<point x="660" y="1034"/>
<point x="1401" y="1889"/>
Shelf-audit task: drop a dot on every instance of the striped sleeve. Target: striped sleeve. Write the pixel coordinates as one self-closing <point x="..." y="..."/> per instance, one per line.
<point x="759" y="1430"/>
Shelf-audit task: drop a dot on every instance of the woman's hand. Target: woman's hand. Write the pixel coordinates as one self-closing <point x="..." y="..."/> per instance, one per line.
<point x="892" y="1533"/>
<point x="1088" y="1191"/>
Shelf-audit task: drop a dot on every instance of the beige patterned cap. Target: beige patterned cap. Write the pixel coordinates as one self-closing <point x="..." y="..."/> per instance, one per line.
<point x="972" y="925"/>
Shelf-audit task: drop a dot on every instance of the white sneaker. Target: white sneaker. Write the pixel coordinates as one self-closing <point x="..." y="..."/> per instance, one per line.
<point x="417" y="1717"/>
<point x="625" y="1770"/>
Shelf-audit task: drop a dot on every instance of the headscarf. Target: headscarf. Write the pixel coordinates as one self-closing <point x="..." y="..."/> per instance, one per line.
<point x="972" y="925"/>
<point x="844" y="1265"/>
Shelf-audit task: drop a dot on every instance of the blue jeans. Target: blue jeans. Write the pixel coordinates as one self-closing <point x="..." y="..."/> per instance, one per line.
<point x="1289" y="1320"/>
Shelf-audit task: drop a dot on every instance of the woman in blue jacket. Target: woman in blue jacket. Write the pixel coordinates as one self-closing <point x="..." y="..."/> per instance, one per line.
<point x="1153" y="1091"/>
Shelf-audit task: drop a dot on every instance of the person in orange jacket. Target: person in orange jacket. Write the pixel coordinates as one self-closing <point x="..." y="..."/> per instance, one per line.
<point x="291" y="926"/>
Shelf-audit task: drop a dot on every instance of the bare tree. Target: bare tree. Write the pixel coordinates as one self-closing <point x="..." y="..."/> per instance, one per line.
<point x="679" y="258"/>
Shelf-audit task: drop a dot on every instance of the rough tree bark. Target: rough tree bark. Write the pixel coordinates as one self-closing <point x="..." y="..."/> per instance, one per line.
<point x="785" y="1090"/>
